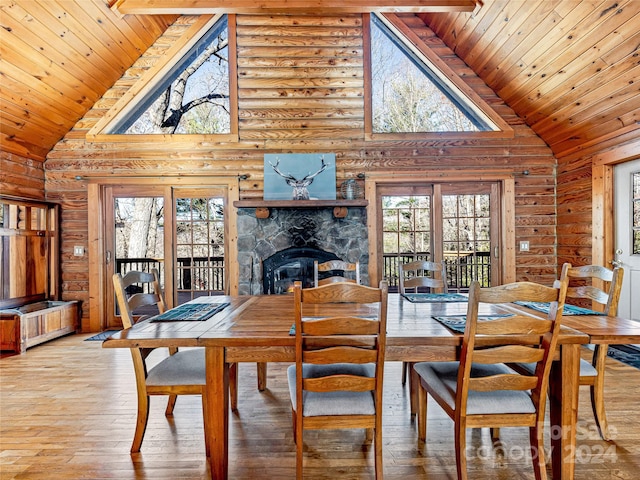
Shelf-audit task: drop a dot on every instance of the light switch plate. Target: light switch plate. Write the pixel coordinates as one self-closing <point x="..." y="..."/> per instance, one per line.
<point x="78" y="251"/>
<point x="524" y="246"/>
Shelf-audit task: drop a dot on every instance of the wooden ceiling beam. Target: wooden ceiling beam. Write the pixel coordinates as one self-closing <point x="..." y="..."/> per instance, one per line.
<point x="190" y="7"/>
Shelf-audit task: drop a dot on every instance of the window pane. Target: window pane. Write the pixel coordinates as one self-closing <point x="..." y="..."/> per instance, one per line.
<point x="482" y="229"/>
<point x="407" y="96"/>
<point x="449" y="207"/>
<point x="194" y="97"/>
<point x="450" y="232"/>
<point x="390" y="241"/>
<point x="139" y="240"/>
<point x="200" y="247"/>
<point x="467" y="238"/>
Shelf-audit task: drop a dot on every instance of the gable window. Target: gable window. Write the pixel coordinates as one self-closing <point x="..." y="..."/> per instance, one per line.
<point x="407" y="96"/>
<point x="193" y="97"/>
<point x="413" y="91"/>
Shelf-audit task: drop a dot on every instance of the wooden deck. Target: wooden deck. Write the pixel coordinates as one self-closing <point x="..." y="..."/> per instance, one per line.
<point x="67" y="411"/>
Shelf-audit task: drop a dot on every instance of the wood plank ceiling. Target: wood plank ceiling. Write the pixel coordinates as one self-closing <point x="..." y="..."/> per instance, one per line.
<point x="57" y="58"/>
<point x="569" y="68"/>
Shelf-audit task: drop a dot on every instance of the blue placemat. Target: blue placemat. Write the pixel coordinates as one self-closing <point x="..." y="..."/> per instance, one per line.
<point x="197" y="312"/>
<point x="435" y="297"/>
<point x="457" y="323"/>
<point x="568" y="309"/>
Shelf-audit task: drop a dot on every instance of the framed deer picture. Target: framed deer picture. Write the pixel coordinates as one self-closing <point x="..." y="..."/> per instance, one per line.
<point x="299" y="176"/>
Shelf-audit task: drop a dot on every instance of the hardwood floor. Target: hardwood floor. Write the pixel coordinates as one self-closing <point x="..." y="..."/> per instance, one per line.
<point x="67" y="411"/>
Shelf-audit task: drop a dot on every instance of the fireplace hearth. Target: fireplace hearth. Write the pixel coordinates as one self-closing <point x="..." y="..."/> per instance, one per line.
<point x="273" y="252"/>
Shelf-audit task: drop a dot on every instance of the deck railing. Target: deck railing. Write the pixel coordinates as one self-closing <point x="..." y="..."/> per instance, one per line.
<point x="193" y="274"/>
<point x="461" y="269"/>
<point x="208" y="274"/>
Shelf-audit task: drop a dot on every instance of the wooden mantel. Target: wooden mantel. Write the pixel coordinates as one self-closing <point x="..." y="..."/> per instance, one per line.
<point x="340" y="207"/>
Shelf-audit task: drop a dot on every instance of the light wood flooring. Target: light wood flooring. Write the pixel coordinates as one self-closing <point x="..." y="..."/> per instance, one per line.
<point x="67" y="411"/>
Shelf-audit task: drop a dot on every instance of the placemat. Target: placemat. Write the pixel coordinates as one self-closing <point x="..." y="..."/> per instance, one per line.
<point x="197" y="312"/>
<point x="457" y="323"/>
<point x="435" y="297"/>
<point x="568" y="309"/>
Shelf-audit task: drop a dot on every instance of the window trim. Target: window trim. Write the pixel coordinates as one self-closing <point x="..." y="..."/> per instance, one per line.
<point x="98" y="205"/>
<point x="128" y="102"/>
<point x="442" y="71"/>
<point x="448" y="179"/>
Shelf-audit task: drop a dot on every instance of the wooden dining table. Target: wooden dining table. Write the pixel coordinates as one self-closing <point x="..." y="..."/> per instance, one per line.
<point x="257" y="329"/>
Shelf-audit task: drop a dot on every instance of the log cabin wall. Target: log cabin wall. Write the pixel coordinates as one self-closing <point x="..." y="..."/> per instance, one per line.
<point x="301" y="89"/>
<point x="574" y="211"/>
<point x="21" y="177"/>
<point x="586" y="199"/>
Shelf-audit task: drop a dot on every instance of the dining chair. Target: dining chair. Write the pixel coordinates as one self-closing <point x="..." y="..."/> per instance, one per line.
<point x="600" y="285"/>
<point x="480" y="390"/>
<point x="180" y="373"/>
<point x="422" y="273"/>
<point x="350" y="272"/>
<point x="336" y="381"/>
<point x="414" y="275"/>
<point x="607" y="295"/>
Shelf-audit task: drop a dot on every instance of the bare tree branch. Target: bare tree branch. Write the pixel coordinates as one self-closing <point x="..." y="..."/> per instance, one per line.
<point x="173" y="120"/>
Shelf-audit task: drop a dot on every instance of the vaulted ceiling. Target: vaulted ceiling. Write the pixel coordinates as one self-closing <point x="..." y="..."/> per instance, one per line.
<point x="569" y="68"/>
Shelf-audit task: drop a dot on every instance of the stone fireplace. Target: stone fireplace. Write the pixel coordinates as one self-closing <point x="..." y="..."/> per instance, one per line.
<point x="283" y="268"/>
<point x="290" y="239"/>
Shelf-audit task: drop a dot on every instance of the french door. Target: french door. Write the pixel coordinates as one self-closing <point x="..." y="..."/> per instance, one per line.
<point x="627" y="244"/>
<point x="178" y="231"/>
<point x="200" y="247"/>
<point x="454" y="223"/>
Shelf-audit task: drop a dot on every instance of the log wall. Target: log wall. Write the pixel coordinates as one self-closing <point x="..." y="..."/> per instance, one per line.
<point x="575" y="211"/>
<point x="301" y="89"/>
<point x="21" y="177"/>
<point x="586" y="227"/>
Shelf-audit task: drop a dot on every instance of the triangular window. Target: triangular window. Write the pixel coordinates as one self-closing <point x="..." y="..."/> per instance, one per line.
<point x="192" y="98"/>
<point x="411" y="95"/>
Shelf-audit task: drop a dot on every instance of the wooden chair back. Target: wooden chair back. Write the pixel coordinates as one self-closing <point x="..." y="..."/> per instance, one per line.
<point x="602" y="287"/>
<point x="510" y="340"/>
<point x="599" y="284"/>
<point x="151" y="294"/>
<point x="421" y="273"/>
<point x="350" y="272"/>
<point x="337" y="324"/>
<point x="128" y="304"/>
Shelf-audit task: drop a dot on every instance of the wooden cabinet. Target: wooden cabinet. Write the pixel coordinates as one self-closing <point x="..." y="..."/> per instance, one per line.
<point x="29" y="245"/>
<point x="30" y="312"/>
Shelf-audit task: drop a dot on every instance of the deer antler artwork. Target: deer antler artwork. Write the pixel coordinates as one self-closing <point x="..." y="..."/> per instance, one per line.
<point x="300" y="191"/>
